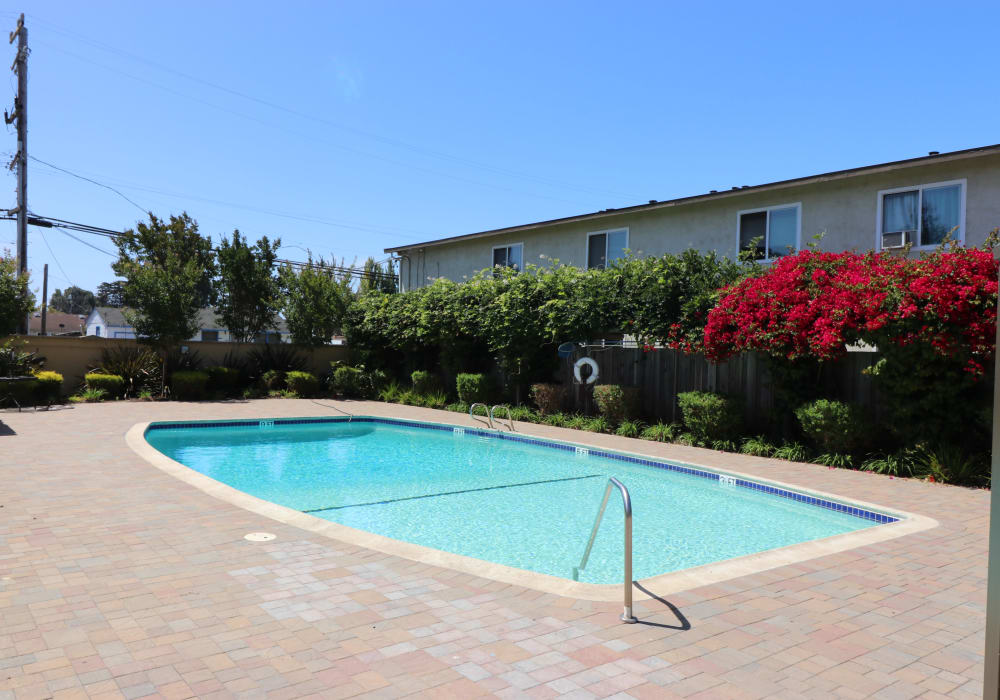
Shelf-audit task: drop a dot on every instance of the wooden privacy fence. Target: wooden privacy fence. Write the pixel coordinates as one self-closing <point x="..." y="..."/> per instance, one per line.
<point x="662" y="374"/>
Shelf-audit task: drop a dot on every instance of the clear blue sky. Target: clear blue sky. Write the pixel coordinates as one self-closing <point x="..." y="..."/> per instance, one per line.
<point x="406" y="121"/>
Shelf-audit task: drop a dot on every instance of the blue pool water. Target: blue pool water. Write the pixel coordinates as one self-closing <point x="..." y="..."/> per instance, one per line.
<point x="523" y="505"/>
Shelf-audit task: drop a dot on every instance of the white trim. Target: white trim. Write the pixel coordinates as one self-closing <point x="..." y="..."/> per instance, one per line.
<point x="767" y="227"/>
<point x="963" y="182"/>
<point x="586" y="249"/>
<point x="508" y="246"/>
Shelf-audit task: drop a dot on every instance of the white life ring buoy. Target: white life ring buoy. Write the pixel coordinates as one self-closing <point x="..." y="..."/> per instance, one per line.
<point x="589" y="361"/>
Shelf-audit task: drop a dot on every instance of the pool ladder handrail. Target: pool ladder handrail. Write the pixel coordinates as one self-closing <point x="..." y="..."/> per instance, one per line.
<point x="627" y="615"/>
<point x="510" y="419"/>
<point x="489" y="414"/>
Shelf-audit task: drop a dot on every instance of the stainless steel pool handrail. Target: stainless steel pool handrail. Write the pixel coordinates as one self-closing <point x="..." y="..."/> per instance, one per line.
<point x="627" y="615"/>
<point x="489" y="415"/>
<point x="510" y="419"/>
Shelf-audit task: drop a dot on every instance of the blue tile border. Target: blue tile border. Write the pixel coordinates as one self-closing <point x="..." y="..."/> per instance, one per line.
<point x="856" y="511"/>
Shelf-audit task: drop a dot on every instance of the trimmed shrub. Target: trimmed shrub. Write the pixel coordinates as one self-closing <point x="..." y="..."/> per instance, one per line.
<point x="424" y="382"/>
<point x="472" y="388"/>
<point x="49" y="386"/>
<point x="346" y="381"/>
<point x="111" y="384"/>
<point x="615" y="402"/>
<point x="273" y="379"/>
<point x="834" y="426"/>
<point x="224" y="379"/>
<point x="189" y="385"/>
<point x="302" y="383"/>
<point x="549" y="398"/>
<point x="709" y="416"/>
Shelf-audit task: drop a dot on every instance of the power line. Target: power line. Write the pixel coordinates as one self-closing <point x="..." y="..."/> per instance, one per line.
<point x="327" y="122"/>
<point x="312" y="137"/>
<point x="66" y="226"/>
<point x="279" y="214"/>
<point x="52" y="253"/>
<point x="95" y="182"/>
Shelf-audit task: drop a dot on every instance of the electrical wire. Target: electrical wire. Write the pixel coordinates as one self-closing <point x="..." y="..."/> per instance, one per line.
<point x="324" y="121"/>
<point x="66" y="226"/>
<point x="95" y="182"/>
<point x="311" y="137"/>
<point x="52" y="253"/>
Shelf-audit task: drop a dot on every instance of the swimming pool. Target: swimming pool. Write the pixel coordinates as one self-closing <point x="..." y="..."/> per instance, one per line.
<point x="514" y="500"/>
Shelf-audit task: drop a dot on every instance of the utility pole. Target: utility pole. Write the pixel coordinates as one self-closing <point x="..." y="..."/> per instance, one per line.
<point x="45" y="295"/>
<point x="20" y="114"/>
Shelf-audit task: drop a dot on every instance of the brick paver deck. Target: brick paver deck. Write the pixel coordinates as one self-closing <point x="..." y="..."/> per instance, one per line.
<point x="117" y="580"/>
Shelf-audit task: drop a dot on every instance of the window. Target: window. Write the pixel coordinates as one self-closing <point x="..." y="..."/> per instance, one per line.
<point x="509" y="256"/>
<point x="923" y="215"/>
<point x="604" y="247"/>
<point x="210" y="336"/>
<point x="775" y="228"/>
<point x="97" y="331"/>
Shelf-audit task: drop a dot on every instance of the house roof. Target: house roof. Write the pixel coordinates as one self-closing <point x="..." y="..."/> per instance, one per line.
<point x="721" y="194"/>
<point x="112" y="316"/>
<point x="56" y="322"/>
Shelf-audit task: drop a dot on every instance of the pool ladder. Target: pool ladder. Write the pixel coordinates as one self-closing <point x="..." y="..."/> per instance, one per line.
<point x="627" y="615"/>
<point x="489" y="415"/>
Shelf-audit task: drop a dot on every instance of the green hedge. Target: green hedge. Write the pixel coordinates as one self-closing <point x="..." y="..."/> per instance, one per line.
<point x="273" y="380"/>
<point x="226" y="380"/>
<point x="111" y="384"/>
<point x="615" y="402"/>
<point x="833" y="426"/>
<point x="550" y="398"/>
<point x="189" y="385"/>
<point x="346" y="381"/>
<point x="49" y="386"/>
<point x="424" y="382"/>
<point x="709" y="416"/>
<point x="472" y="388"/>
<point x="302" y="383"/>
<point x="24" y="392"/>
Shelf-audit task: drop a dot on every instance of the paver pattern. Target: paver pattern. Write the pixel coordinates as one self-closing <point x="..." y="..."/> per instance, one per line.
<point x="117" y="580"/>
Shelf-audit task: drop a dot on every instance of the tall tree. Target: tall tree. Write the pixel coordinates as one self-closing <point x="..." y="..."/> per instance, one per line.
<point x="316" y="300"/>
<point x="16" y="299"/>
<point x="111" y="294"/>
<point x="73" y="301"/>
<point x="378" y="278"/>
<point x="249" y="293"/>
<point x="166" y="266"/>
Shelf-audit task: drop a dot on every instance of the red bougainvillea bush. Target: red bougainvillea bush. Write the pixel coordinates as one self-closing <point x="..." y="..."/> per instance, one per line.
<point x="933" y="320"/>
<point x="813" y="304"/>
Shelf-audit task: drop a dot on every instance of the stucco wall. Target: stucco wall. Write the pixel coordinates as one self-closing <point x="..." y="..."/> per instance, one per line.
<point x="73" y="357"/>
<point x="844" y="210"/>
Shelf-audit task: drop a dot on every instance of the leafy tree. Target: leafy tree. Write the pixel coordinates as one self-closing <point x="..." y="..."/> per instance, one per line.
<point x="111" y="294"/>
<point x="166" y="265"/>
<point x="378" y="278"/>
<point x="16" y="300"/>
<point x="316" y="301"/>
<point x="249" y="288"/>
<point x="73" y="301"/>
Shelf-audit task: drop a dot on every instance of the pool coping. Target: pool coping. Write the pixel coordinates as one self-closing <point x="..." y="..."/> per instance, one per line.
<point x="660" y="585"/>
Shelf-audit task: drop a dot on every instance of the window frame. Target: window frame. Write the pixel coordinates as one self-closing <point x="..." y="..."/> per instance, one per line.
<point x="494" y="250"/>
<point x="880" y="197"/>
<point x="767" y="228"/>
<point x="605" y="232"/>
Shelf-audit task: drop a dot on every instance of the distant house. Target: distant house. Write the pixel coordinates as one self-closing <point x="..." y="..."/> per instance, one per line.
<point x="110" y="322"/>
<point x="56" y="323"/>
